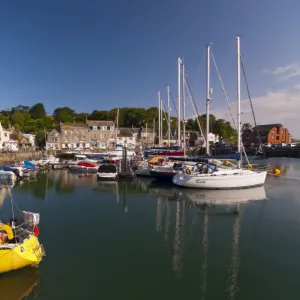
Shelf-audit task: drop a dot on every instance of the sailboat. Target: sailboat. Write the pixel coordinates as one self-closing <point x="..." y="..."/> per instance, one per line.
<point x="19" y="243"/>
<point x="210" y="176"/>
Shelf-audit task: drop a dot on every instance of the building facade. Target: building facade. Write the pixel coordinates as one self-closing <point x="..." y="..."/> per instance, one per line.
<point x="102" y="134"/>
<point x="4" y="137"/>
<point x="74" y="136"/>
<point x="53" y="140"/>
<point x="269" y="134"/>
<point x="127" y="137"/>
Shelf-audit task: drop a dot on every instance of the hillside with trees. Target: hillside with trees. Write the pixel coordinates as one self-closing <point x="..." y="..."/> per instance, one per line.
<point x="35" y="120"/>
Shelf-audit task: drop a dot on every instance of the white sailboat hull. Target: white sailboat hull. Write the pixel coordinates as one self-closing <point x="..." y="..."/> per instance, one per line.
<point x="239" y="179"/>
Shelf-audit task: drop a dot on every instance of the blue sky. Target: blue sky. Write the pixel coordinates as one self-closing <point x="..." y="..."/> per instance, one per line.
<point x="104" y="54"/>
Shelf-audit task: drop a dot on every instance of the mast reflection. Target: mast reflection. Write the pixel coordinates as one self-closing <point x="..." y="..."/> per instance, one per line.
<point x="174" y="204"/>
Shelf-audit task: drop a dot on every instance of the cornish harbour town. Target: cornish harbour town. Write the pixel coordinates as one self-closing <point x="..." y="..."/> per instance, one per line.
<point x="145" y="155"/>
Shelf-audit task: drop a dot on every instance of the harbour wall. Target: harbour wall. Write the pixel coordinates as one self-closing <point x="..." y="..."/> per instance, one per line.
<point x="16" y="157"/>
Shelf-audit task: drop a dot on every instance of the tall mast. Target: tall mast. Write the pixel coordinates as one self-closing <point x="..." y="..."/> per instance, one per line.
<point x="117" y="122"/>
<point x="169" y="117"/>
<point x="159" y="108"/>
<point x="239" y="97"/>
<point x="208" y="100"/>
<point x="154" y="132"/>
<point x="178" y="108"/>
<point x="183" y="107"/>
<point x="161" y="120"/>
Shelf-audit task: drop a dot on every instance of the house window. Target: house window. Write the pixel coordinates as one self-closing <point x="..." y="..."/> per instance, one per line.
<point x="277" y="138"/>
<point x="281" y="131"/>
<point x="94" y="127"/>
<point x="5" y="134"/>
<point x="99" y="128"/>
<point x="104" y="128"/>
<point x="108" y="127"/>
<point x="91" y="127"/>
<point x="272" y="136"/>
<point x="55" y="139"/>
<point x="112" y="128"/>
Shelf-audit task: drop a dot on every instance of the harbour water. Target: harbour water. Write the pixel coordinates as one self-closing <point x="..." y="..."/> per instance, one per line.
<point x="151" y="240"/>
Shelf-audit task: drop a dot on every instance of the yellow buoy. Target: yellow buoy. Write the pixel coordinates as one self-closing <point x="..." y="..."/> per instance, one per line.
<point x="249" y="166"/>
<point x="276" y="171"/>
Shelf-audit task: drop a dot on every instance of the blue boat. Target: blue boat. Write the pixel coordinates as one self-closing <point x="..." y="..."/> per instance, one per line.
<point x="29" y="165"/>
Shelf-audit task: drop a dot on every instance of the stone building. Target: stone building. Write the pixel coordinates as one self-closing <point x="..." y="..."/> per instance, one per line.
<point x="74" y="136"/>
<point x="53" y="140"/>
<point x="102" y="134"/>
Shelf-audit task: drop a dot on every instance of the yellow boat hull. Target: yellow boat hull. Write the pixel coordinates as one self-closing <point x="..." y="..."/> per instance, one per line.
<point x="29" y="252"/>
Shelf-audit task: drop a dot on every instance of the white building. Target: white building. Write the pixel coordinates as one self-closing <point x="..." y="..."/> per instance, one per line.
<point x="127" y="137"/>
<point x="30" y="138"/>
<point x="4" y="136"/>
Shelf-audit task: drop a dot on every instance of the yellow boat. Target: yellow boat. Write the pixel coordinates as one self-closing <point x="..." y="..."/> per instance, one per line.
<point x="19" y="247"/>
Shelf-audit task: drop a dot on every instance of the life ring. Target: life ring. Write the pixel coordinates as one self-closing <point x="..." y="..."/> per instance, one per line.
<point x="8" y="231"/>
<point x="188" y="171"/>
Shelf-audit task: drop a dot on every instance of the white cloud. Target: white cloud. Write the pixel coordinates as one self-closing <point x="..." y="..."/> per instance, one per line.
<point x="286" y="72"/>
<point x="275" y="107"/>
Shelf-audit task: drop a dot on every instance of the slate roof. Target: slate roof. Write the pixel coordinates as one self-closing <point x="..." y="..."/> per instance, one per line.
<point x="266" y="127"/>
<point x="74" y="125"/>
<point x="100" y="123"/>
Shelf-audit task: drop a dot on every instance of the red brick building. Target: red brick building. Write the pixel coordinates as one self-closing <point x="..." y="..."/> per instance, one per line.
<point x="269" y="133"/>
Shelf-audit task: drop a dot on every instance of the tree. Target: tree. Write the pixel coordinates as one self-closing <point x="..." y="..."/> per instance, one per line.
<point x="21" y="118"/>
<point x="48" y="122"/>
<point x="21" y="108"/>
<point x="63" y="114"/>
<point x="246" y="126"/>
<point x="37" y="111"/>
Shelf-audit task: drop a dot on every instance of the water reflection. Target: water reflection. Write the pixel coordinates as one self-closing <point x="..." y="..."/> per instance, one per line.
<point x="20" y="284"/>
<point x="209" y="203"/>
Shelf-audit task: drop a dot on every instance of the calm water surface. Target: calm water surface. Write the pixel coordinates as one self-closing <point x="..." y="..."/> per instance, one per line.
<point x="145" y="240"/>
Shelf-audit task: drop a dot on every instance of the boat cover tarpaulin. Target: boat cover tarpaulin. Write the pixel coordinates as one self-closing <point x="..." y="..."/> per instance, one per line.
<point x="86" y="164"/>
<point x="29" y="165"/>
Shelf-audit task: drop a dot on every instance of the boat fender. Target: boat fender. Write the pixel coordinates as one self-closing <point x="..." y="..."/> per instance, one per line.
<point x="8" y="231"/>
<point x="188" y="171"/>
<point x="249" y="166"/>
<point x="276" y="171"/>
<point x="36" y="230"/>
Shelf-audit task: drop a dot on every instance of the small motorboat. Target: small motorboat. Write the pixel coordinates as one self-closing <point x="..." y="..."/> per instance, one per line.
<point x="84" y="166"/>
<point x="108" y="172"/>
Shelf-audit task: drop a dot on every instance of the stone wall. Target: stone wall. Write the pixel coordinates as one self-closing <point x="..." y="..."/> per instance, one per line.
<point x="17" y="157"/>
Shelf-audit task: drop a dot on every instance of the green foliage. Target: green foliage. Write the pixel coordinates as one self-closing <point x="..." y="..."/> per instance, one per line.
<point x="63" y="114"/>
<point x="4" y="120"/>
<point x="37" y="111"/>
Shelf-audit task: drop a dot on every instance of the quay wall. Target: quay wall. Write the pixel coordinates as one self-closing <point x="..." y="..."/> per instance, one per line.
<point x="16" y="157"/>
